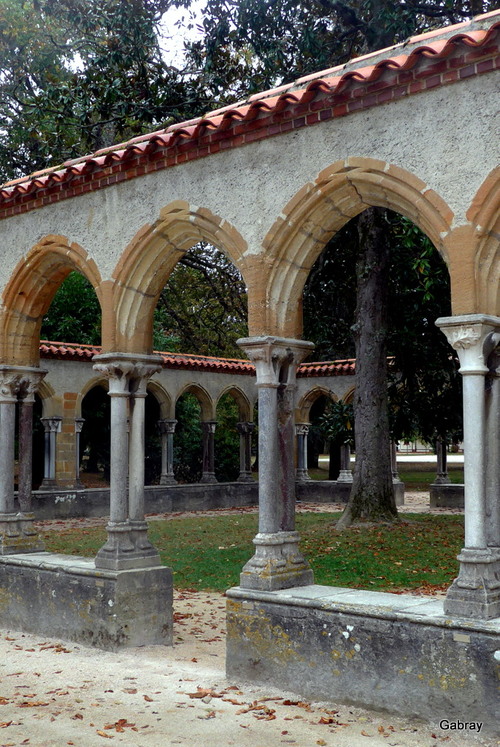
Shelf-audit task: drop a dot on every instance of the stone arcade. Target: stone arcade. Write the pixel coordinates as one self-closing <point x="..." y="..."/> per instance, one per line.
<point x="411" y="128"/>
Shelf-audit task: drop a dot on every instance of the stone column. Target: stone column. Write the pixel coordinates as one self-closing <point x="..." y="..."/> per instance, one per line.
<point x="245" y="429"/>
<point x="127" y="545"/>
<point x="51" y="426"/>
<point x="492" y="486"/>
<point x="394" y="463"/>
<point x="301" y="433"/>
<point x="208" y="430"/>
<point x="476" y="591"/>
<point x="78" y="430"/>
<point x="277" y="563"/>
<point x="345" y="474"/>
<point x="16" y="529"/>
<point x="441" y="471"/>
<point x="167" y="430"/>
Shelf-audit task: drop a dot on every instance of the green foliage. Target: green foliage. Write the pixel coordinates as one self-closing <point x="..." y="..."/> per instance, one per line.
<point x="75" y="313"/>
<point x="207" y="553"/>
<point x="203" y="307"/>
<point x="337" y="423"/>
<point x="187" y="440"/>
<point x="425" y="386"/>
<point x="227" y="441"/>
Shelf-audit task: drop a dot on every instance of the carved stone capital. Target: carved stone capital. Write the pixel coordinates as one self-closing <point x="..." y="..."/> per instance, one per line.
<point x="166" y="426"/>
<point x="79" y="424"/>
<point x="19" y="382"/>
<point x="127" y="373"/>
<point x="208" y="426"/>
<point x="245" y="428"/>
<point x="52" y="425"/>
<point x="275" y="358"/>
<point x="474" y="337"/>
<point x="302" y="429"/>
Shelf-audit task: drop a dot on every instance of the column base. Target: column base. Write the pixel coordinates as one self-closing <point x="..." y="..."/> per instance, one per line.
<point x="168" y="480"/>
<point x="302" y="475"/>
<point x="208" y="477"/>
<point x="475" y="593"/>
<point x="18" y="535"/>
<point x="48" y="483"/>
<point x="277" y="563"/>
<point x="442" y="480"/>
<point x="127" y="547"/>
<point x="245" y="477"/>
<point x="345" y="475"/>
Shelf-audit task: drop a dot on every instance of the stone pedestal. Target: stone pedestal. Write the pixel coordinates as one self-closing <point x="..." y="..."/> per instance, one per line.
<point x="345" y="474"/>
<point x="79" y="422"/>
<point x="278" y="562"/>
<point x="475" y="592"/>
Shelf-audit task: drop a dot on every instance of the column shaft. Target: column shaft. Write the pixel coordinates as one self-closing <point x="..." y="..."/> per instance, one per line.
<point x="268" y="460"/>
<point x="118" y="511"/>
<point x="136" y="456"/>
<point x="7" y="455"/>
<point x="474" y="462"/>
<point x="25" y="455"/>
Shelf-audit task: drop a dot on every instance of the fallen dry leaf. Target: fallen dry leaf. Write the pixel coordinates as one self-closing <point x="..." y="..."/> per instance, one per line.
<point x="146" y="697"/>
<point x="364" y="734"/>
<point x="4" y="724"/>
<point x="106" y="736"/>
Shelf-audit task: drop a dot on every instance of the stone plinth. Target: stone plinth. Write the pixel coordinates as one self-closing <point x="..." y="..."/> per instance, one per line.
<point x="448" y="495"/>
<point x="398" y="653"/>
<point x="67" y="597"/>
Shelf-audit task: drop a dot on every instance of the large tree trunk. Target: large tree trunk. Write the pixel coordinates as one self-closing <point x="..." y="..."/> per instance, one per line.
<point x="372" y="494"/>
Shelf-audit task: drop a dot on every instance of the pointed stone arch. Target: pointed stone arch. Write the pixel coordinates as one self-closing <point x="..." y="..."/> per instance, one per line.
<point x="30" y="291"/>
<point x="319" y="210"/>
<point x="304" y="406"/>
<point x="206" y="402"/>
<point x="245" y="407"/>
<point x="167" y="411"/>
<point x="147" y="262"/>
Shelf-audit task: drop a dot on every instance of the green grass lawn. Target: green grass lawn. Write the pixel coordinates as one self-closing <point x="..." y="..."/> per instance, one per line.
<point x="415" y="477"/>
<point x="208" y="552"/>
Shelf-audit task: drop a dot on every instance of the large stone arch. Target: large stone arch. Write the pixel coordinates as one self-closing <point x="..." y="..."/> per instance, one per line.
<point x="30" y="291"/>
<point x="319" y="210"/>
<point x="244" y="405"/>
<point x="147" y="262"/>
<point x="484" y="215"/>
<point x="206" y="402"/>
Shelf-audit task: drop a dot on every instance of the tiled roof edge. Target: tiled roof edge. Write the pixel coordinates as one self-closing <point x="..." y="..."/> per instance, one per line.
<point x="362" y="70"/>
<point x="74" y="352"/>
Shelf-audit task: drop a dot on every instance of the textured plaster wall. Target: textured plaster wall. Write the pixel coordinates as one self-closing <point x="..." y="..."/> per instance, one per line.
<point x="445" y="136"/>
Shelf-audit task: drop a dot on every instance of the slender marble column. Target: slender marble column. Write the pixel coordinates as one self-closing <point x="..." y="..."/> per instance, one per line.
<point x="245" y="430"/>
<point x="441" y="471"/>
<point x="79" y="422"/>
<point x="277" y="563"/>
<point x="167" y="430"/>
<point x="127" y="545"/>
<point x="301" y="432"/>
<point x="208" y="430"/>
<point x="16" y="529"/>
<point x="51" y="426"/>
<point x="493" y="452"/>
<point x="394" y="462"/>
<point x="476" y="591"/>
<point x="345" y="474"/>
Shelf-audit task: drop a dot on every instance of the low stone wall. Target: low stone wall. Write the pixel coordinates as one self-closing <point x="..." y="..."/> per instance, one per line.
<point x="94" y="502"/>
<point x="391" y="652"/>
<point x="66" y="597"/>
<point x="446" y="496"/>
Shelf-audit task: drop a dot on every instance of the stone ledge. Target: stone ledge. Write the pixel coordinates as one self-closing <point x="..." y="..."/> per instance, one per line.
<point x="67" y="597"/>
<point x="391" y="652"/>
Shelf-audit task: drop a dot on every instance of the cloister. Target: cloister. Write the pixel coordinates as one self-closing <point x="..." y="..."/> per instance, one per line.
<point x="268" y="181"/>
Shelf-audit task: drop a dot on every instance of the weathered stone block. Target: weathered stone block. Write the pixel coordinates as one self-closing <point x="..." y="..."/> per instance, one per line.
<point x="446" y="496"/>
<point x="66" y="597"/>
<point x="398" y="653"/>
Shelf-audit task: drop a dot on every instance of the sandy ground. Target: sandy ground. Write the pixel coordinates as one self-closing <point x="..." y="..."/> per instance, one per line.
<point x="55" y="693"/>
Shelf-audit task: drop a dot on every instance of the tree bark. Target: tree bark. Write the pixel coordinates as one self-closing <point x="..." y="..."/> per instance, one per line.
<point x="372" y="493"/>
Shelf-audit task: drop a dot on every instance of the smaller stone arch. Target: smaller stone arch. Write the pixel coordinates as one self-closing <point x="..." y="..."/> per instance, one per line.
<point x="206" y="402"/>
<point x="47" y="395"/>
<point x="163" y="398"/>
<point x="304" y="407"/>
<point x="245" y="407"/>
<point x="30" y="291"/>
<point x="348" y="397"/>
<point x="147" y="262"/>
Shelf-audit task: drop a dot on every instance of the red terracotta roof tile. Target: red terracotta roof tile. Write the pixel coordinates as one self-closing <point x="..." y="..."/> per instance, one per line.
<point x="361" y="71"/>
